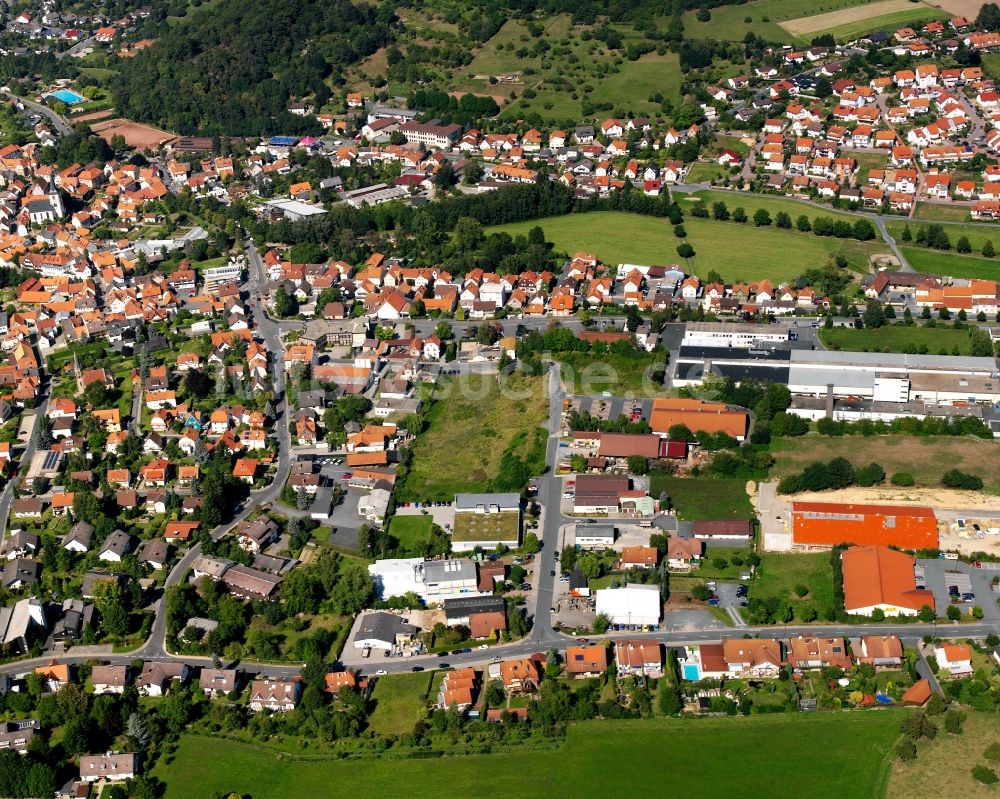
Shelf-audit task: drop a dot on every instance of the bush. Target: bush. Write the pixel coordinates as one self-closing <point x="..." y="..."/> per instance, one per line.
<point x="993" y="752"/>
<point x="870" y="475"/>
<point x="984" y="774"/>
<point x="906" y="750"/>
<point x="954" y="478"/>
<point x="902" y="479"/>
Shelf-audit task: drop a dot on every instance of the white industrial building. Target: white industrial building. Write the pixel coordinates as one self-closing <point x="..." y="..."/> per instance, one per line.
<point x="432" y="580"/>
<point x="733" y="334"/>
<point x="594" y="536"/>
<point x="881" y="376"/>
<point x="635" y="604"/>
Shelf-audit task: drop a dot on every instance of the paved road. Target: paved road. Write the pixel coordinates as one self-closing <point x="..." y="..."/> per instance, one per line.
<point x="58" y="122"/>
<point x="77" y="48"/>
<point x="7" y="496"/>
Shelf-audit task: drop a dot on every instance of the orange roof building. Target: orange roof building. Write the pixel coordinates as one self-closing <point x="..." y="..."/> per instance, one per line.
<point x="586" y="661"/>
<point x="879" y="577"/>
<point x="832" y="523"/>
<point x="698" y="416"/>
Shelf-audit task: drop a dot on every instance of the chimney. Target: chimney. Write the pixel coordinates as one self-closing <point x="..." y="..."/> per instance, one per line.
<point x="829" y="400"/>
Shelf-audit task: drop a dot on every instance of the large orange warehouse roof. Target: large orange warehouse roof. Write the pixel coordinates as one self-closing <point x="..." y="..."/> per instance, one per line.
<point x="697" y="415"/>
<point x="881" y="576"/>
<point x="831" y="523"/>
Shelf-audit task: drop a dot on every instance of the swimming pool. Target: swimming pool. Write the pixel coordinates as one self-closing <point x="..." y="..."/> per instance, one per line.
<point x="691" y="671"/>
<point x="67" y="96"/>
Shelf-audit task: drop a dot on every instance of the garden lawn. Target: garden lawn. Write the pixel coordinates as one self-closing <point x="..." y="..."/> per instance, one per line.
<point x="936" y="262"/>
<point x="779" y="574"/>
<point x="412" y="532"/>
<point x="991" y="65"/>
<point x="703" y="497"/>
<point x="940" y="340"/>
<point x="735" y="251"/>
<point x="925" y="457"/>
<point x="469" y="429"/>
<point x="731" y="571"/>
<point x="812" y="757"/>
<point x="704" y="172"/>
<point x="400" y="702"/>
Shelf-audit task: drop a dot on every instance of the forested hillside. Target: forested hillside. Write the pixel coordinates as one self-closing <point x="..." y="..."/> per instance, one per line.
<point x="232" y="69"/>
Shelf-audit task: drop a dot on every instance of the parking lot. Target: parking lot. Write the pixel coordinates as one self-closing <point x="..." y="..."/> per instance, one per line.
<point x="939" y="574"/>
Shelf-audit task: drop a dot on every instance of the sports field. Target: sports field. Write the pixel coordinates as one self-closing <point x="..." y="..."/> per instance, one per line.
<point x="811" y="756"/>
<point x="470" y="430"/>
<point x="925" y="457"/>
<point x="736" y="252"/>
<point x="941" y="340"/>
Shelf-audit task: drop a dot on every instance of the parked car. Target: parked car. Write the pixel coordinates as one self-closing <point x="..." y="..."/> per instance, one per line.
<point x="417" y="668"/>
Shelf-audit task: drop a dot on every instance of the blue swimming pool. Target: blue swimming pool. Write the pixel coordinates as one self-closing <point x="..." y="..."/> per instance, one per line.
<point x="691" y="672"/>
<point x="67" y="96"/>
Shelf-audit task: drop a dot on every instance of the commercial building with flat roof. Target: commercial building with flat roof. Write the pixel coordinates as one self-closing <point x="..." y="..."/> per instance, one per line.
<point x="634" y="604"/>
<point x="698" y="416"/>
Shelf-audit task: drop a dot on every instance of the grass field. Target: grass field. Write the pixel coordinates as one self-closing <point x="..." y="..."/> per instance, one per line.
<point x="771" y="203"/>
<point x="713" y="758"/>
<point x="897" y="338"/>
<point x="926" y="458"/>
<point x="736" y="252"/>
<point x="620" y="374"/>
<point x="399" y="702"/>
<point x="704" y="172"/>
<point x="412" y="532"/>
<point x="780" y="573"/>
<point x="944" y="766"/>
<point x="991" y="65"/>
<point x="866" y="163"/>
<point x="728" y="23"/>
<point x="938" y="212"/>
<point x="703" y="497"/>
<point x="947" y="263"/>
<point x="977" y="234"/>
<point x="469" y="430"/>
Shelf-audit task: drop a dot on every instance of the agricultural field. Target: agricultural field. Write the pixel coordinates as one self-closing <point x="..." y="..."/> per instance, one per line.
<point x="944" y="765"/>
<point x="923" y="259"/>
<point x="916" y="15"/>
<point x="784" y="574"/>
<point x="941" y="340"/>
<point x="856" y="749"/>
<point x="864" y="18"/>
<point x="399" y="702"/>
<point x="736" y="252"/>
<point x="728" y="23"/>
<point x="925" y="457"/>
<point x="703" y="497"/>
<point x="470" y="428"/>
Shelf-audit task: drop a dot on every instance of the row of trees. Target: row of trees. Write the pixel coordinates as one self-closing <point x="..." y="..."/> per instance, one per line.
<point x="838" y="473"/>
<point x="862" y="229"/>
